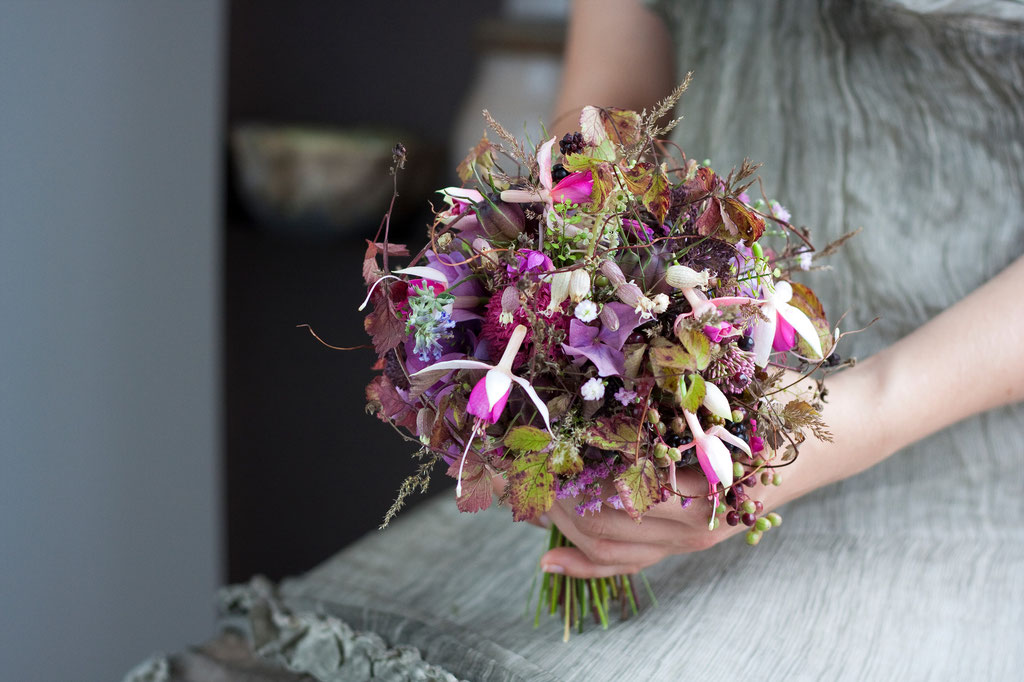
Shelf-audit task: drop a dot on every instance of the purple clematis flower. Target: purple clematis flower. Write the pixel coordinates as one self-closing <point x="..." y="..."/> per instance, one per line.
<point x="602" y="345"/>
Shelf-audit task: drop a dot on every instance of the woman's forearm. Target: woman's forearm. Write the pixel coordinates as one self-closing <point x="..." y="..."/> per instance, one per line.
<point x="618" y="53"/>
<point x="966" y="360"/>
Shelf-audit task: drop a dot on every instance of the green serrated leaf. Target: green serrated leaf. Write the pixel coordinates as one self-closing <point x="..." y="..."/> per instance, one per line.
<point x="531" y="486"/>
<point x="694" y="396"/>
<point x="668" y="364"/>
<point x="527" y="439"/>
<point x="639" y="488"/>
<point x="697" y="345"/>
<point x="604" y="187"/>
<point x="579" y="162"/>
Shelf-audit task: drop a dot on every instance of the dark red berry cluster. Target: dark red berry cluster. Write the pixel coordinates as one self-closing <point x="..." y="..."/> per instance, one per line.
<point x="572" y="143"/>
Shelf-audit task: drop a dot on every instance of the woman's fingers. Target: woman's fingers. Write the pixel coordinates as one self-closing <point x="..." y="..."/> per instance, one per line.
<point x="603" y="551"/>
<point x="571" y="561"/>
<point x="612" y="524"/>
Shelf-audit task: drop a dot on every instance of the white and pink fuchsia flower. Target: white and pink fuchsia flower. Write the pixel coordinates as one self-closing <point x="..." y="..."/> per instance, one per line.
<point x="489" y="395"/>
<point x="713" y="457"/>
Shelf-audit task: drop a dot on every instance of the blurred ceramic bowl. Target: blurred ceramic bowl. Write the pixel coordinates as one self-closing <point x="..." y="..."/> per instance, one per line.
<point x="313" y="181"/>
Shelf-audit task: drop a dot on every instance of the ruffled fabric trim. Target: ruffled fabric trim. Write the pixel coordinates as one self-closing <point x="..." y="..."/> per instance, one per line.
<point x="318" y="645"/>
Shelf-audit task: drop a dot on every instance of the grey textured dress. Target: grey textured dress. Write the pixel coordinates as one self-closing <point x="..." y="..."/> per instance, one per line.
<point x="906" y="119"/>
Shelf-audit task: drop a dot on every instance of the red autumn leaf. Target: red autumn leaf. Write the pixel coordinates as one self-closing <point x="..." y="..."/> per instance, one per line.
<point x="708" y="221"/>
<point x="384" y="400"/>
<point x="741" y="221"/>
<point x="477" y="492"/>
<point x="383" y="324"/>
<point x="371" y="270"/>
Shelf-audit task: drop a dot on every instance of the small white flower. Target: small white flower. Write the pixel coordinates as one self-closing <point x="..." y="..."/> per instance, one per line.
<point x="593" y="389"/>
<point x="660" y="302"/>
<point x="805" y="260"/>
<point x="586" y="311"/>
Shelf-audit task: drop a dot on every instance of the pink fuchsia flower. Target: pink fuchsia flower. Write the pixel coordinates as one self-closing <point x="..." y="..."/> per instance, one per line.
<point x="784" y="323"/>
<point x="487" y="399"/>
<point x="490" y="394"/>
<point x="713" y="457"/>
<point x="575" y="187"/>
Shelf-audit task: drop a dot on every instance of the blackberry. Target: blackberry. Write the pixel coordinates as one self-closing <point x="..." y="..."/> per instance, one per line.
<point x="572" y="143"/>
<point x="745" y="343"/>
<point x="832" y="360"/>
<point x="558" y="173"/>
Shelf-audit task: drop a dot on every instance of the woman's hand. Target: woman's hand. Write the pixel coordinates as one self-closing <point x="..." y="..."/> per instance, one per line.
<point x="611" y="543"/>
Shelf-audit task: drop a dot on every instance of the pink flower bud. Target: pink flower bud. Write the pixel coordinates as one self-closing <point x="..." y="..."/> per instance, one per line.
<point x="613" y="272"/>
<point x="609" y="318"/>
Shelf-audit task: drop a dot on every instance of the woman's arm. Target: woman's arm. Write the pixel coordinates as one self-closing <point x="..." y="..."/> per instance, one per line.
<point x="618" y="53"/>
<point x="968" y="359"/>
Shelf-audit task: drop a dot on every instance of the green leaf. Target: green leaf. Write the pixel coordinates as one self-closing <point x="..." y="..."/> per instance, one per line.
<point x="527" y="439"/>
<point x="531" y="486"/>
<point x="639" y="488"/>
<point x="604" y="185"/>
<point x="694" y="396"/>
<point x="579" y="162"/>
<point x="613" y="433"/>
<point x="697" y="345"/>
<point x="668" y="364"/>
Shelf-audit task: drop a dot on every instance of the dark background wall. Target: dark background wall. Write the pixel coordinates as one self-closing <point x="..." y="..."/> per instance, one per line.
<point x="307" y="471"/>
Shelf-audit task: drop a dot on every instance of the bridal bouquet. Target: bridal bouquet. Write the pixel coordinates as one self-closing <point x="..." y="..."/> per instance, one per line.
<point x="589" y="318"/>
